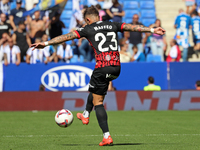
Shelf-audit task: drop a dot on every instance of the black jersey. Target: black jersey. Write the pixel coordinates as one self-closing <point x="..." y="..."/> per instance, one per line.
<point x="103" y="38"/>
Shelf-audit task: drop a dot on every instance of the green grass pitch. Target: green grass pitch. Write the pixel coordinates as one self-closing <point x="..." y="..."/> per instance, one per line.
<point x="130" y="130"/>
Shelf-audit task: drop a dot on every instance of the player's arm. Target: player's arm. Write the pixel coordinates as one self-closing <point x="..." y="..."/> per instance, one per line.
<point x="56" y="40"/>
<point x="5" y="59"/>
<point x="140" y="28"/>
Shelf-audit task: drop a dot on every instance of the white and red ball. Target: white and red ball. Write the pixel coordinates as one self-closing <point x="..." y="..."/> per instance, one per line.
<point x="64" y="118"/>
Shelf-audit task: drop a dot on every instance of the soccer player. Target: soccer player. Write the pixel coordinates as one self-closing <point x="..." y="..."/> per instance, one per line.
<point x="196" y="30"/>
<point x="182" y="24"/>
<point x="103" y="38"/>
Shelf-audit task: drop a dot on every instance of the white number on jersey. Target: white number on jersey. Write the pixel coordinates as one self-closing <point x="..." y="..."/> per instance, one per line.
<point x="100" y="46"/>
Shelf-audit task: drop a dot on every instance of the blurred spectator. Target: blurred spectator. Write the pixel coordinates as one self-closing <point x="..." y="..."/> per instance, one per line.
<point x="107" y="4"/>
<point x="4" y="26"/>
<point x="195" y="24"/>
<point x="136" y="37"/>
<point x="22" y="39"/>
<point x="194" y="9"/>
<point x="189" y="3"/>
<point x="101" y="12"/>
<point x="77" y="18"/>
<point x="42" y="87"/>
<point x="16" y="15"/>
<point x="137" y="55"/>
<point x="56" y="26"/>
<point x="182" y="23"/>
<point x="5" y="7"/>
<point x="158" y="42"/>
<point x="116" y="12"/>
<point x="64" y="52"/>
<point x="197" y="85"/>
<point x="38" y="55"/>
<point x="4" y="39"/>
<point x="13" y="53"/>
<point x="85" y="49"/>
<point x="124" y="55"/>
<point x="3" y="44"/>
<point x="50" y="49"/>
<point x="174" y="53"/>
<point x="37" y="27"/>
<point x="151" y="86"/>
<point x="126" y="38"/>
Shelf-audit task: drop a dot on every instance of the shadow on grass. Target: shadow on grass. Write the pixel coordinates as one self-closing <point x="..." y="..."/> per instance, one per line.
<point x="117" y="144"/>
<point x="127" y="144"/>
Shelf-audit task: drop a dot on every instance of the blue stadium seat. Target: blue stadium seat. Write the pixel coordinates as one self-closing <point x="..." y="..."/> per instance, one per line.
<point x="147" y="5"/>
<point x="13" y="5"/>
<point x="121" y="2"/>
<point x="65" y="30"/>
<point x="74" y="59"/>
<point x="148" y="13"/>
<point x="66" y="14"/>
<point x="128" y="20"/>
<point x="153" y="58"/>
<point x="68" y="6"/>
<point x="81" y="59"/>
<point x="66" y="22"/>
<point x="130" y="13"/>
<point x="131" y="5"/>
<point x="148" y="21"/>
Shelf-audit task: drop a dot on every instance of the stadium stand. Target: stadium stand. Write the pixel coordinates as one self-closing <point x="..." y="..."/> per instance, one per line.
<point x="153" y="58"/>
<point x="66" y="15"/>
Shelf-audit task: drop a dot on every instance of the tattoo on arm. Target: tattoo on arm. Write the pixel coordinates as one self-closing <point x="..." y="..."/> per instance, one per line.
<point x="63" y="38"/>
<point x="137" y="28"/>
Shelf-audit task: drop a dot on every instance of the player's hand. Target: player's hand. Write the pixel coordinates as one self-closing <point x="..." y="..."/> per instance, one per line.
<point x="159" y="31"/>
<point x="17" y="63"/>
<point x="38" y="45"/>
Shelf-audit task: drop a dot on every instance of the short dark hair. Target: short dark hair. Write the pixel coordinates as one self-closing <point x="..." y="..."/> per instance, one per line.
<point x="98" y="6"/>
<point x="92" y="10"/>
<point x="195" y="13"/>
<point x="21" y="22"/>
<point x="85" y="6"/>
<point x="174" y="41"/>
<point x="198" y="83"/>
<point x="151" y="79"/>
<point x="134" y="46"/>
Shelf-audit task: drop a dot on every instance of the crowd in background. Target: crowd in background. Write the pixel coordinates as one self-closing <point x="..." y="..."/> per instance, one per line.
<point x="17" y="33"/>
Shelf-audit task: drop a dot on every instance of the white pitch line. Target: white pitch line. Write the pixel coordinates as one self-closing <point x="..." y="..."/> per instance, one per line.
<point x="29" y="136"/>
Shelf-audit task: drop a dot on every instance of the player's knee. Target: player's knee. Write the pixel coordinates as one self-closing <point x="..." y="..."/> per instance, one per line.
<point x="98" y="99"/>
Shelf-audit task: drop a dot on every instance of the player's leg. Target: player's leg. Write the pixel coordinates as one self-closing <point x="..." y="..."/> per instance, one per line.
<point x="185" y="54"/>
<point x="102" y="119"/>
<point x="86" y="113"/>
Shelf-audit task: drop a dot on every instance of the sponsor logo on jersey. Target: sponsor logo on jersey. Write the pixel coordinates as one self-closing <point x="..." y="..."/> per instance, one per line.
<point x="111" y="76"/>
<point x="68" y="77"/>
<point x="91" y="86"/>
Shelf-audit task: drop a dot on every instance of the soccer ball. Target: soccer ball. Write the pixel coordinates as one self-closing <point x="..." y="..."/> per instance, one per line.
<point x="64" y="118"/>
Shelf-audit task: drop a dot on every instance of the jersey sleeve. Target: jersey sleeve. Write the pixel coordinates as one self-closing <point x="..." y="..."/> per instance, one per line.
<point x="29" y="51"/>
<point x="17" y="49"/>
<point x="46" y="51"/>
<point x="81" y="32"/>
<point x="173" y="53"/>
<point x="119" y="26"/>
<point x="120" y="9"/>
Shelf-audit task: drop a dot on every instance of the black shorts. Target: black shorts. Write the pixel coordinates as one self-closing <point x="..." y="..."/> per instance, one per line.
<point x="100" y="79"/>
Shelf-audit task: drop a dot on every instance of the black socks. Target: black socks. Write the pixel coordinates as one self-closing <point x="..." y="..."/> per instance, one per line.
<point x="89" y="104"/>
<point x="102" y="117"/>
